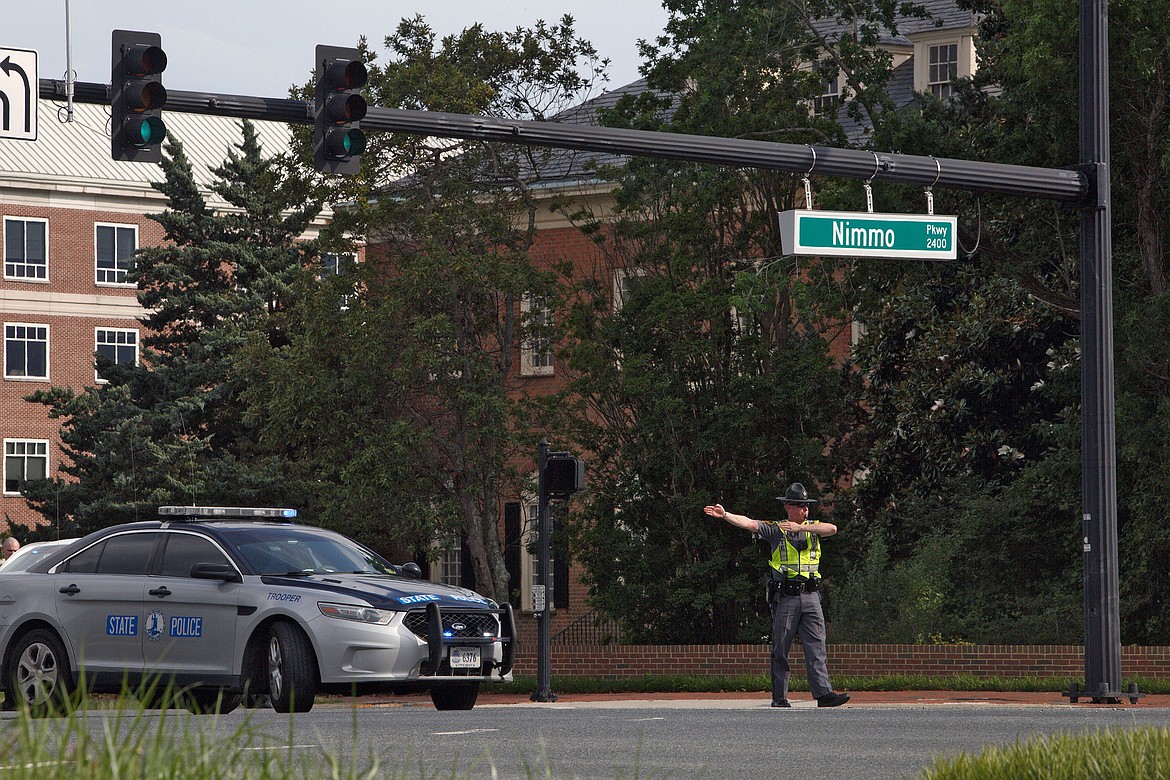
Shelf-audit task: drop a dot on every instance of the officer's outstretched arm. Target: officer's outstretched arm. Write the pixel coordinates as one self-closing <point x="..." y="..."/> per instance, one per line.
<point x="740" y="521"/>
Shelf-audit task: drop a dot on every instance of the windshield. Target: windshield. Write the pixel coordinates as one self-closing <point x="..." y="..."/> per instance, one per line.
<point x="30" y="554"/>
<point x="290" y="551"/>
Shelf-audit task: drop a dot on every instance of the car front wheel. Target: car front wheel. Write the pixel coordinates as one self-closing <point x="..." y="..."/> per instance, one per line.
<point x="292" y="669"/>
<point x="38" y="673"/>
<point x="456" y="696"/>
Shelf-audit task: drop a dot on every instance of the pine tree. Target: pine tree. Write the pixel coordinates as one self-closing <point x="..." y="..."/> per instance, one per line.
<point x="172" y="428"/>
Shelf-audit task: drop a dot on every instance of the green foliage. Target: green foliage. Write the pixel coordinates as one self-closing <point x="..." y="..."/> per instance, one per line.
<point x="1117" y="754"/>
<point x="973" y="367"/>
<point x="119" y="738"/>
<point x="395" y="401"/>
<point x="168" y="430"/>
<point x="710" y="377"/>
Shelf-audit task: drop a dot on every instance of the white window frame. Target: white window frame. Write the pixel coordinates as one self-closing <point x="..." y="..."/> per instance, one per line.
<point x="101" y="276"/>
<point x="115" y="332"/>
<point x="25" y="377"/>
<point x="830" y="96"/>
<point x="10" y="451"/>
<point x="449" y="562"/>
<point x="621" y="287"/>
<point x="25" y="264"/>
<point x="530" y="562"/>
<point x="536" y="355"/>
<point x="938" y="82"/>
<point x="336" y="264"/>
<point x="857" y="331"/>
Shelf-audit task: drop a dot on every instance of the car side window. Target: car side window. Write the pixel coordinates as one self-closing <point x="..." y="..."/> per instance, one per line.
<point x="86" y="561"/>
<point x="127" y="554"/>
<point x="184" y="551"/>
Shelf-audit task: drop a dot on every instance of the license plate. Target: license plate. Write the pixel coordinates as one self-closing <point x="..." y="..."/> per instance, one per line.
<point x="465" y="658"/>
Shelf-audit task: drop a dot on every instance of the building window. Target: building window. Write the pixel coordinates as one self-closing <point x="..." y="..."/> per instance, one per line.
<point x="830" y="88"/>
<point x="120" y="346"/>
<point x="624" y="280"/>
<point x="858" y="329"/>
<point x="530" y="557"/>
<point x="26" y="351"/>
<point x="449" y="566"/>
<point x="24" y="460"/>
<point x="115" y="246"/>
<point x="337" y="265"/>
<point x="944" y="66"/>
<point x="536" y="353"/>
<point x="26" y="248"/>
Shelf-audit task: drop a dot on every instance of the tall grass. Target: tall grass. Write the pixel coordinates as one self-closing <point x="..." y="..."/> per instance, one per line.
<point x="120" y="739"/>
<point x="1118" y="754"/>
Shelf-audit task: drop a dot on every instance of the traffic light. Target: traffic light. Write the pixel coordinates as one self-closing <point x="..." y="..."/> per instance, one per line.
<point x="338" y="141"/>
<point x="137" y="96"/>
<point x="564" y="474"/>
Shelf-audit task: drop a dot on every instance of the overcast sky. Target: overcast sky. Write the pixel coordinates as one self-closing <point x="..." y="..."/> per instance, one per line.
<point x="207" y="41"/>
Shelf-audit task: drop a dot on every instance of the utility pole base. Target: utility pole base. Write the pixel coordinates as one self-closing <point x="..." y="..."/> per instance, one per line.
<point x="1102" y="696"/>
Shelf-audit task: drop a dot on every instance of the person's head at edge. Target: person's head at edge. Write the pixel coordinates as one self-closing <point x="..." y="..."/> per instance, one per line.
<point x="10" y="546"/>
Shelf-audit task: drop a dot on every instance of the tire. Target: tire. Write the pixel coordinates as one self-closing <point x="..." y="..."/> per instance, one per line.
<point x="256" y="701"/>
<point x="38" y="675"/>
<point x="456" y="696"/>
<point x="292" y="669"/>
<point x="207" y="701"/>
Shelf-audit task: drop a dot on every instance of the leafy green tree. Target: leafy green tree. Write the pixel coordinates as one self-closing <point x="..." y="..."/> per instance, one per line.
<point x="169" y="430"/>
<point x="1006" y="375"/>
<point x="403" y="404"/>
<point x="708" y="374"/>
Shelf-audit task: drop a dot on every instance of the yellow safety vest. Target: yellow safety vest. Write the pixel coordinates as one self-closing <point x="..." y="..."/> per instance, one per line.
<point x="789" y="562"/>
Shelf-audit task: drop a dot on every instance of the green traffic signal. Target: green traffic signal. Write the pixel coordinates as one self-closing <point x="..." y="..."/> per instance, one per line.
<point x="341" y="143"/>
<point x="141" y="132"/>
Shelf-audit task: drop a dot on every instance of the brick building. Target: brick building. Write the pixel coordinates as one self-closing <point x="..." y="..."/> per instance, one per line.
<point x="71" y="218"/>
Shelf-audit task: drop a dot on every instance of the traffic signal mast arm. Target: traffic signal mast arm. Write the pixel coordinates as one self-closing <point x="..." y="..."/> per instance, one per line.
<point x="1070" y="185"/>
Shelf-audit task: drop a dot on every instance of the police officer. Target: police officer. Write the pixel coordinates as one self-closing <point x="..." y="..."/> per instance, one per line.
<point x="793" y="585"/>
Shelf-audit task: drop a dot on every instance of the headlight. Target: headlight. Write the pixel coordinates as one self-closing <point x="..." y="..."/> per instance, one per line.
<point x="380" y="617"/>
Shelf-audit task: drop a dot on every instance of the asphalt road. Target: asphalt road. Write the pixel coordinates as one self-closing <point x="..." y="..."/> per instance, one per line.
<point x="731" y="738"/>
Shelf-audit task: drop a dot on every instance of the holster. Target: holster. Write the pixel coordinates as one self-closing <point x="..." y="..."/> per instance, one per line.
<point x="773" y="590"/>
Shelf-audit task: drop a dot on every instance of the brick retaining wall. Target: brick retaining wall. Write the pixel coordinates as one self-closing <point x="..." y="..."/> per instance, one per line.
<point x="1061" y="661"/>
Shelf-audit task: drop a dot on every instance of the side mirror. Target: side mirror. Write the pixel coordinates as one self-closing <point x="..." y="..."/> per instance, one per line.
<point x="215" y="571"/>
<point x="410" y="569"/>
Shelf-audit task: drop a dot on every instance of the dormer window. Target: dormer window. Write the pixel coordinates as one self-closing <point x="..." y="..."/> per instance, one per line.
<point x="830" y="87"/>
<point x="944" y="66"/>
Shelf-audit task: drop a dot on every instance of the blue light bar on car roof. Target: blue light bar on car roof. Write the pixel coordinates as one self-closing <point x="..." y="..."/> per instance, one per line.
<point x="227" y="511"/>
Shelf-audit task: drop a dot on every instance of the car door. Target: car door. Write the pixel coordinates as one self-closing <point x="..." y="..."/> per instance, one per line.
<point x="189" y="625"/>
<point x="99" y="603"/>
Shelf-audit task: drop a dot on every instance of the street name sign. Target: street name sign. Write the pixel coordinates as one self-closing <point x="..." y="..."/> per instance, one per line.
<point x="865" y="234"/>
<point x="19" y="89"/>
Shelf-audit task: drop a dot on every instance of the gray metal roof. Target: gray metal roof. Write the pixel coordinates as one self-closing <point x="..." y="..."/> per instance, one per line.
<point x="941" y="15"/>
<point x="79" y="152"/>
<point x="575" y="166"/>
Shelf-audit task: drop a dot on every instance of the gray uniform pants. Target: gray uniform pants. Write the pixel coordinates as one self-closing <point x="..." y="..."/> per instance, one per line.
<point x="801" y="614"/>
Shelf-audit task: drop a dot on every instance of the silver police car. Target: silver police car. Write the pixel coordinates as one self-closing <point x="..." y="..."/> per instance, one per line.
<point x="222" y="603"/>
